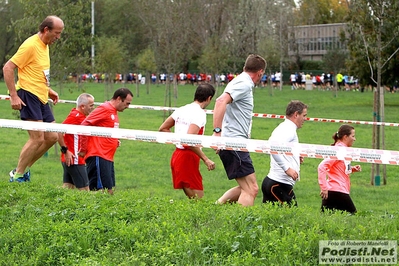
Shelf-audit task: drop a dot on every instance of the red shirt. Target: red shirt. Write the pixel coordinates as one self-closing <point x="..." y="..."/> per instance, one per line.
<point x="72" y="141"/>
<point x="103" y="116"/>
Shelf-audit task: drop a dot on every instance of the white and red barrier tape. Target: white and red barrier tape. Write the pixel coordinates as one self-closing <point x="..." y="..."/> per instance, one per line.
<point x="160" y="108"/>
<point x="250" y="145"/>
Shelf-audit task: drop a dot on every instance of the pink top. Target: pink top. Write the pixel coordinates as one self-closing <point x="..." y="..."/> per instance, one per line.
<point x="334" y="174"/>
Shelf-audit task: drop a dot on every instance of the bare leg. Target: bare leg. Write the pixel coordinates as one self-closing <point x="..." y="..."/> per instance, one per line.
<point x="50" y="138"/>
<point x="193" y="193"/>
<point x="68" y="185"/>
<point x="249" y="190"/>
<point x="230" y="195"/>
<point x="39" y="142"/>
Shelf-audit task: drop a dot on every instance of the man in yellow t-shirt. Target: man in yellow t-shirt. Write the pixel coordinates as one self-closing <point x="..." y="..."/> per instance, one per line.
<point x="30" y="94"/>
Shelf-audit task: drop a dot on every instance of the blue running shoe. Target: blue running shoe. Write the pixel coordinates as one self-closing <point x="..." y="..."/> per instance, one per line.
<point x="24" y="178"/>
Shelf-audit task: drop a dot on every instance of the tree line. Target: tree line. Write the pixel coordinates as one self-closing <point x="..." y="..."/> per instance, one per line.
<point x="211" y="36"/>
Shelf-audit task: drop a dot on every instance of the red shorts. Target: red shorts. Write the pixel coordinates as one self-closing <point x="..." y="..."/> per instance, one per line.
<point x="185" y="170"/>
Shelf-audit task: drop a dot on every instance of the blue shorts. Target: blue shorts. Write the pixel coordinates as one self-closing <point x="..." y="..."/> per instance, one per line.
<point x="236" y="163"/>
<point x="34" y="110"/>
<point x="101" y="173"/>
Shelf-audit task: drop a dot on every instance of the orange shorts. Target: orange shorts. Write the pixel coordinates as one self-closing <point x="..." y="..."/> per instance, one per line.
<point x="185" y="170"/>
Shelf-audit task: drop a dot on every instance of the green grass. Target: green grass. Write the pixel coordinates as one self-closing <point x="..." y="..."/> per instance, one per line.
<point x="146" y="222"/>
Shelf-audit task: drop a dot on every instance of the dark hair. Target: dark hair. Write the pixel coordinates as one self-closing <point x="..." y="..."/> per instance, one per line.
<point x="203" y="92"/>
<point x="254" y="63"/>
<point x="122" y="93"/>
<point x="295" y="106"/>
<point x="47" y="22"/>
<point x="344" y="130"/>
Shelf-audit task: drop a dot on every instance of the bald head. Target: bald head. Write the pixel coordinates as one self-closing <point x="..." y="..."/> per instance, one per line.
<point x="51" y="22"/>
<point x="50" y="29"/>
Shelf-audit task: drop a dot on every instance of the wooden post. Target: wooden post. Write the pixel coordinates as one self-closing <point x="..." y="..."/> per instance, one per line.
<point x="375" y="110"/>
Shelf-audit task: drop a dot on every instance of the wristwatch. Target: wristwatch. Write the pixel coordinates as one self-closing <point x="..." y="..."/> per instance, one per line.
<point x="217" y="130"/>
<point x="64" y="149"/>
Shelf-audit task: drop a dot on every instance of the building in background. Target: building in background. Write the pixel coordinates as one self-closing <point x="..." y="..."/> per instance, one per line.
<point x="311" y="42"/>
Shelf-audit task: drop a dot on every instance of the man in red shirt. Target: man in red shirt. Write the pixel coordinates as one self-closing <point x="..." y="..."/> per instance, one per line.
<point x="75" y="174"/>
<point x="99" y="151"/>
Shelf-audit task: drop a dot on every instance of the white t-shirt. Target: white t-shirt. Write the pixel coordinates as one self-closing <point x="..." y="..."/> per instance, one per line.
<point x="278" y="76"/>
<point x="185" y="116"/>
<point x="279" y="163"/>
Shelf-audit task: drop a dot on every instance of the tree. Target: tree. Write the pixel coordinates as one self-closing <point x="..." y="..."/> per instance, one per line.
<point x="9" y="12"/>
<point x="313" y="12"/>
<point x="146" y="61"/>
<point x="110" y="60"/>
<point x="334" y="60"/>
<point x="120" y="19"/>
<point x="374" y="35"/>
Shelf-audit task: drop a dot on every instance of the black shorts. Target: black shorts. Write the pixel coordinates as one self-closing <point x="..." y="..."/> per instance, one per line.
<point x="76" y="174"/>
<point x="101" y="173"/>
<point x="338" y="201"/>
<point x="274" y="191"/>
<point x="236" y="163"/>
<point x="34" y="110"/>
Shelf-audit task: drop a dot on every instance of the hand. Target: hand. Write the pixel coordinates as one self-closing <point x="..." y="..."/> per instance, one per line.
<point x="324" y="194"/>
<point x="209" y="164"/>
<point x="300" y="159"/>
<point x="292" y="173"/>
<point x="69" y="158"/>
<point x="356" y="168"/>
<point x="53" y="96"/>
<point x="82" y="154"/>
<point x="16" y="102"/>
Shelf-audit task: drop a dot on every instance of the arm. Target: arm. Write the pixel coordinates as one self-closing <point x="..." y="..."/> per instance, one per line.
<point x="167" y="125"/>
<point x="282" y="134"/>
<point x="53" y="95"/>
<point x="322" y="170"/>
<point x="68" y="155"/>
<point x="220" y="110"/>
<point x="8" y="72"/>
<point x="83" y="140"/>
<point x="194" y="129"/>
<point x="282" y="162"/>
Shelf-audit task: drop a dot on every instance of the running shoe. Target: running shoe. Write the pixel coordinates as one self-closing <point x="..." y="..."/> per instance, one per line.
<point x="24" y="178"/>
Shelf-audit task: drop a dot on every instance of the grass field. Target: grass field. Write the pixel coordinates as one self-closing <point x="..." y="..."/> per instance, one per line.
<point x="46" y="225"/>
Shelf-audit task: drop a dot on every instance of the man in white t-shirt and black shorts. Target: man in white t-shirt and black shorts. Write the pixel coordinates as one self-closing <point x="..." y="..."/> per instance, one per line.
<point x="284" y="169"/>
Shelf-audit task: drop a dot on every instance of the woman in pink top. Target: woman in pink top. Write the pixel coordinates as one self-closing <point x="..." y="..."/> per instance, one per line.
<point x="334" y="175"/>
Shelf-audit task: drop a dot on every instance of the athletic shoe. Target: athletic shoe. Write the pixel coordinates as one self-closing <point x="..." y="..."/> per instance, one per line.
<point x="27" y="176"/>
<point x="24" y="178"/>
<point x="12" y="173"/>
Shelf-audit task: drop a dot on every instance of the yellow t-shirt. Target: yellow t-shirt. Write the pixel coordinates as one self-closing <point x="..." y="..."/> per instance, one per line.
<point x="33" y="61"/>
<point x="339" y="77"/>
